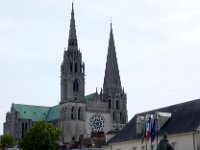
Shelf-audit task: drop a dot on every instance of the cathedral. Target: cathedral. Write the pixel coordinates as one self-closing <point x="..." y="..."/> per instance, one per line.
<point x="76" y="114"/>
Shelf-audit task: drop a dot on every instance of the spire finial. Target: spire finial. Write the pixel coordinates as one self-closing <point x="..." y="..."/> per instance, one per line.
<point x="72" y="7"/>
<point x="111" y="22"/>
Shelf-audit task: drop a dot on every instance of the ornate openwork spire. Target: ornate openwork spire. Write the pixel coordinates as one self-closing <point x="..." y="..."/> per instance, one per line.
<point x="72" y="41"/>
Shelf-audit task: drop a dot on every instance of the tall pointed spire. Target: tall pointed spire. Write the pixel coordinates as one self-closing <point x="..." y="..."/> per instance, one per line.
<point x="112" y="78"/>
<point x="72" y="41"/>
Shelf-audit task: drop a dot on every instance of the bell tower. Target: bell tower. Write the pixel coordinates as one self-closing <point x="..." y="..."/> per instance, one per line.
<point x="72" y="104"/>
<point x="112" y="92"/>
<point x="72" y="69"/>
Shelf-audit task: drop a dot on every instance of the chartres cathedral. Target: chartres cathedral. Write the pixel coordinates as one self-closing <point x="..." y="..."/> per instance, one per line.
<point x="77" y="114"/>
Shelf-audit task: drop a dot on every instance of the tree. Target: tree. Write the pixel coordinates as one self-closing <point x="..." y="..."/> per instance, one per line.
<point x="41" y="136"/>
<point x="7" y="141"/>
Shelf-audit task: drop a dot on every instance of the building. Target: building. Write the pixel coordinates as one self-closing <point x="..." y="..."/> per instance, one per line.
<point x="181" y="122"/>
<point x="77" y="114"/>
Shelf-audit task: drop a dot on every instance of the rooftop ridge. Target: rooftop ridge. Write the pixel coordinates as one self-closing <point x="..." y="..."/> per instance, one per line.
<point x="32" y="105"/>
<point x="153" y="110"/>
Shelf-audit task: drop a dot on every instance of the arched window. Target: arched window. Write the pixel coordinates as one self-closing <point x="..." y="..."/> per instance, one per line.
<point x="121" y="119"/>
<point x="71" y="67"/>
<point x="23" y="130"/>
<point x="124" y="117"/>
<point x="76" y="67"/>
<point x="72" y="114"/>
<point x="75" y="86"/>
<point x="114" y="116"/>
<point x="109" y="103"/>
<point x="117" y="105"/>
<point x="80" y="114"/>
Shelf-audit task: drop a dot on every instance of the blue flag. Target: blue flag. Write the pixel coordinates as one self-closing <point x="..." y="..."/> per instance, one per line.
<point x="154" y="130"/>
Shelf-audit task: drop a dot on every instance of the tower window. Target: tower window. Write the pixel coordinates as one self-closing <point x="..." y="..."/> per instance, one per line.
<point x="109" y="103"/>
<point x="70" y="67"/>
<point x="79" y="114"/>
<point x="117" y="105"/>
<point x="75" y="86"/>
<point x="76" y="67"/>
<point x="80" y="68"/>
<point x="120" y="116"/>
<point x="72" y="113"/>
<point x="114" y="116"/>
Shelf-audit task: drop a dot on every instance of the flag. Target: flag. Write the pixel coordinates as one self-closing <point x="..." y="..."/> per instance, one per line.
<point x="148" y="129"/>
<point x="154" y="129"/>
<point x="143" y="132"/>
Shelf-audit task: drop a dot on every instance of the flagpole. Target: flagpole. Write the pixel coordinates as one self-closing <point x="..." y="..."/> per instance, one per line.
<point x="146" y="143"/>
<point x="157" y="139"/>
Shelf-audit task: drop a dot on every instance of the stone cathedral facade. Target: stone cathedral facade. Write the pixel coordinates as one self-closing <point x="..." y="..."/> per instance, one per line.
<point x="77" y="114"/>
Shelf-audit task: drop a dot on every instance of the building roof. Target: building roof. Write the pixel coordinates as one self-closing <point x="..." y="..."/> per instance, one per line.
<point x="54" y="113"/>
<point x="185" y="117"/>
<point x="90" y="96"/>
<point x="37" y="113"/>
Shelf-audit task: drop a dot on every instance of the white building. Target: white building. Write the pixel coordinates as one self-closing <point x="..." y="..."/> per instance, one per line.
<point x="181" y="122"/>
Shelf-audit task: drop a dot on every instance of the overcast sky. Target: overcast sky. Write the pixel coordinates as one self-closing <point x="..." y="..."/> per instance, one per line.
<point x="157" y="44"/>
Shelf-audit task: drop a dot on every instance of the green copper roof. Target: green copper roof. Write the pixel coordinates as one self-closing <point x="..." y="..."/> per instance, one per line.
<point x="54" y="113"/>
<point x="90" y="96"/>
<point x="37" y="113"/>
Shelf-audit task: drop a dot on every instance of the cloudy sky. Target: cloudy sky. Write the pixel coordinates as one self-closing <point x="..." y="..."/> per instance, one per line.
<point x="157" y="44"/>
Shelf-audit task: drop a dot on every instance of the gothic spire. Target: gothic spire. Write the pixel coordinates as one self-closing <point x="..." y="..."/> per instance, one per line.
<point x="72" y="41"/>
<point x="112" y="78"/>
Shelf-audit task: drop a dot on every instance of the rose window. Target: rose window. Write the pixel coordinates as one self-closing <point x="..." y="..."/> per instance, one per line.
<point x="97" y="123"/>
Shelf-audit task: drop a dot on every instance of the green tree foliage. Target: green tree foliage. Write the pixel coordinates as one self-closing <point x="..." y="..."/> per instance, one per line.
<point x="7" y="141"/>
<point x="42" y="136"/>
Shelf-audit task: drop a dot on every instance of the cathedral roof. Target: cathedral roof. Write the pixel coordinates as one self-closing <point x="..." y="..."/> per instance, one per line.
<point x="90" y="96"/>
<point x="37" y="113"/>
<point x="185" y="117"/>
<point x="54" y="113"/>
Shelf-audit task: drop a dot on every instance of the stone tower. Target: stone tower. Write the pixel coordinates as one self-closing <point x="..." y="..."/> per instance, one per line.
<point x="72" y="88"/>
<point x="112" y="92"/>
<point x="72" y="69"/>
